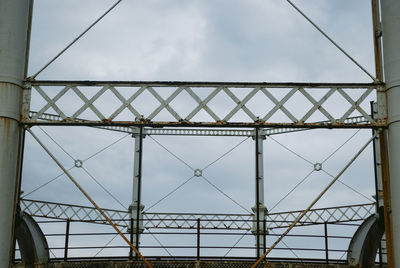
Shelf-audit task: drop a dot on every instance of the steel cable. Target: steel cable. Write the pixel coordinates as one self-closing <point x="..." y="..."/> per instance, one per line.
<point x="321" y="194"/>
<point x="159" y="242"/>
<point x="290" y="150"/>
<point x="308" y="161"/>
<point x="331" y="40"/>
<point x="291" y="250"/>
<point x="288" y="193"/>
<point x="348" y="186"/>
<point x="61" y="174"/>
<point x="75" y="40"/>
<point x="237" y="242"/>
<point x="174" y="155"/>
<point x="170" y="193"/>
<point x="186" y="164"/>
<point x="226" y="195"/>
<point x="102" y="187"/>
<point x="226" y="153"/>
<point x="340" y="147"/>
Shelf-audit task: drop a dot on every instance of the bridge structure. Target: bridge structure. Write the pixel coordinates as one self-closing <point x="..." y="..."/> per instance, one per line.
<point x="27" y="103"/>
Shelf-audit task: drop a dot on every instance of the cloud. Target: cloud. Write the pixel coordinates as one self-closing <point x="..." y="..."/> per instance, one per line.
<point x="200" y="40"/>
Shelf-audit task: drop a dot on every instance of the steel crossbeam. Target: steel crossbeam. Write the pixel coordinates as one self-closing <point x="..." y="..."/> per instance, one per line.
<point x="189" y="221"/>
<point x="198" y="131"/>
<point x="207" y="104"/>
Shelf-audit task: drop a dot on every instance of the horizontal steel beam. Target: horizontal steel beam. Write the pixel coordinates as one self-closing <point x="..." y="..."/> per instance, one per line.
<point x="91" y="83"/>
<point x="189" y="221"/>
<point x="206" y="104"/>
<point x="197" y="131"/>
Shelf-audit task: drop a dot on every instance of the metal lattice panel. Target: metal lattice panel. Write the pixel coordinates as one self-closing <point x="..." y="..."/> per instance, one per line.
<point x="223" y="104"/>
<point x="334" y="214"/>
<point x="189" y="221"/>
<point x="197" y="131"/>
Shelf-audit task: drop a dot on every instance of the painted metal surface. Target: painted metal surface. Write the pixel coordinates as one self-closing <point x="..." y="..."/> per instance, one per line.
<point x="165" y="131"/>
<point x="391" y="42"/>
<point x="365" y="242"/>
<point x="14" y="20"/>
<point x="243" y="111"/>
<point x="31" y="240"/>
<point x="259" y="208"/>
<point x="136" y="208"/>
<point x="189" y="220"/>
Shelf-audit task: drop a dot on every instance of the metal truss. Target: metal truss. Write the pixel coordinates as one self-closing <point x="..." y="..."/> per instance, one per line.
<point x="189" y="221"/>
<point x="197" y="131"/>
<point x="224" y="104"/>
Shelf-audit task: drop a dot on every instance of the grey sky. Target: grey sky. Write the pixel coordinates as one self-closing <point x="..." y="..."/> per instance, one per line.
<point x="201" y="41"/>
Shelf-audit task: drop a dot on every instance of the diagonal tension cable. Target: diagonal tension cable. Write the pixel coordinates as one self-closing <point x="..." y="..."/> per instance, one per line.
<point x="341" y="146"/>
<point x="170" y="193"/>
<point x="308" y="161"/>
<point x="293" y="152"/>
<point x="171" y="153"/>
<point x="331" y="40"/>
<point x="104" y="188"/>
<point x="237" y="242"/>
<point x="226" y="195"/>
<point x="69" y="169"/>
<point x="75" y="40"/>
<point x="87" y="172"/>
<point x="315" y="200"/>
<point x="226" y="153"/>
<point x="288" y="193"/>
<point x="89" y="198"/>
<point x="159" y="242"/>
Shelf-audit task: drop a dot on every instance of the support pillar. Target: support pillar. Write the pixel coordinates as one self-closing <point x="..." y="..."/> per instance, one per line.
<point x="14" y="21"/>
<point x="259" y="209"/>
<point x="391" y="42"/>
<point x="136" y="208"/>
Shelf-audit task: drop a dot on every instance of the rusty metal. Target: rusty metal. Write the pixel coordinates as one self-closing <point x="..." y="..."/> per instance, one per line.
<point x="377" y="32"/>
<point x="387" y="208"/>
<point x="67" y="226"/>
<point x="90" y="199"/>
<point x="276" y="220"/>
<point x="313" y="203"/>
<point x="166" y="107"/>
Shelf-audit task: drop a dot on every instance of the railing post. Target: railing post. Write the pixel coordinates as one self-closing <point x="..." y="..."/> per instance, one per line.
<point x="326" y="242"/>
<point x="198" y="239"/>
<point x="264" y="235"/>
<point x="131" y="239"/>
<point x="66" y="239"/>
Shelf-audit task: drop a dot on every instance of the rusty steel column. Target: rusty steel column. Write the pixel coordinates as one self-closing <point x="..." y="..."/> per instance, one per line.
<point x="391" y="42"/>
<point x="136" y="208"/>
<point x="259" y="208"/>
<point x="14" y="21"/>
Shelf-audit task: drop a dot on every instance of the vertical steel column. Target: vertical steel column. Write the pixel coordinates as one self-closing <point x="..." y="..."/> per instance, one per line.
<point x="391" y="42"/>
<point x="66" y="245"/>
<point x="259" y="209"/>
<point x="198" y="239"/>
<point x="136" y="207"/>
<point x="14" y="21"/>
<point x="326" y="242"/>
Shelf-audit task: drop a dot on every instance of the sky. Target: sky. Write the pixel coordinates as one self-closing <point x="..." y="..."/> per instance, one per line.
<point x="220" y="40"/>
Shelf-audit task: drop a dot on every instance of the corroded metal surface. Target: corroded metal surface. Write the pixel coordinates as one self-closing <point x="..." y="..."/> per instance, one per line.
<point x="188" y="220"/>
<point x="185" y="264"/>
<point x="204" y="104"/>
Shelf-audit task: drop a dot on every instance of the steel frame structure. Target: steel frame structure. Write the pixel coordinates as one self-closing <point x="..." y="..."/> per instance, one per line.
<point x="274" y="220"/>
<point x="352" y="116"/>
<point x="218" y="118"/>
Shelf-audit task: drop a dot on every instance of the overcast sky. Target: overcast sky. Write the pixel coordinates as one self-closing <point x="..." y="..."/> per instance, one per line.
<point x="220" y="40"/>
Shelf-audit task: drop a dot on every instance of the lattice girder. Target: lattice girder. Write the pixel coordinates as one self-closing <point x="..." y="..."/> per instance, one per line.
<point x="225" y="104"/>
<point x="189" y="221"/>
